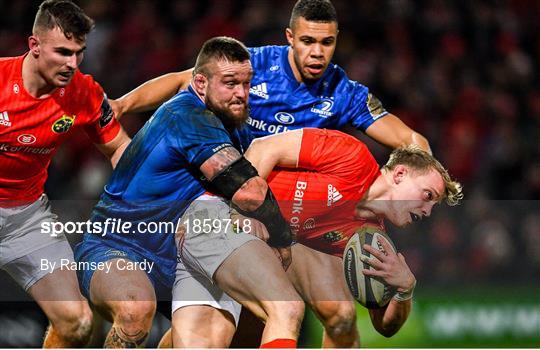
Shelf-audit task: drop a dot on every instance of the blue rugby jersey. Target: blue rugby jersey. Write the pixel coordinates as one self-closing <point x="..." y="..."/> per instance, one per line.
<point x="158" y="177"/>
<point x="278" y="102"/>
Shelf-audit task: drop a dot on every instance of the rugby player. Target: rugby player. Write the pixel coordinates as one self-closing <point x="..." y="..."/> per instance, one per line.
<point x="333" y="186"/>
<point x="297" y="85"/>
<point x="44" y="97"/>
<point x="193" y="143"/>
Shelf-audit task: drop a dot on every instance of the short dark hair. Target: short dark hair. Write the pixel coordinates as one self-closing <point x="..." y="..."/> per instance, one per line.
<point x="220" y="48"/>
<point x="313" y="10"/>
<point x="65" y="15"/>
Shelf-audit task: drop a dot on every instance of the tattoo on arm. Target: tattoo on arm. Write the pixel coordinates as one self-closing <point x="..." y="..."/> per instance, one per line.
<point x="118" y="338"/>
<point x="214" y="165"/>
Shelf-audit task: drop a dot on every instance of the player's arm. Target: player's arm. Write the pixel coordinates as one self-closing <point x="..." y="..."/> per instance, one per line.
<point x="394" y="271"/>
<point x="237" y="180"/>
<point x="276" y="150"/>
<point x="388" y="320"/>
<point x="152" y="93"/>
<point x="114" y="148"/>
<point x="393" y="132"/>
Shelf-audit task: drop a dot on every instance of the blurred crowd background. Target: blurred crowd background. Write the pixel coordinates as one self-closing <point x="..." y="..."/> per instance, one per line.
<point x="463" y="73"/>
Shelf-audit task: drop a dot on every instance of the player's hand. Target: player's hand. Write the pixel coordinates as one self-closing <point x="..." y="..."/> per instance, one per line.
<point x="390" y="267"/>
<point x="249" y="225"/>
<point x="284" y="255"/>
<point x="117" y="108"/>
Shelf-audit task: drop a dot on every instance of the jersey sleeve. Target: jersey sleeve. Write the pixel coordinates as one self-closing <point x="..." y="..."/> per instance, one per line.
<point x="364" y="108"/>
<point x="334" y="152"/>
<point x="199" y="135"/>
<point x="102" y="126"/>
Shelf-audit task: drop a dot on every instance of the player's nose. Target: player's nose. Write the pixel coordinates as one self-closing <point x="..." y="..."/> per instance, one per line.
<point x="72" y="62"/>
<point x="316" y="50"/>
<point x="426" y="211"/>
<point x="241" y="91"/>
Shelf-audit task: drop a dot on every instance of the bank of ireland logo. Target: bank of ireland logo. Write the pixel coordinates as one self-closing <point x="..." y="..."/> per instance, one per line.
<point x="63" y="124"/>
<point x="284" y="118"/>
<point x="323" y="108"/>
<point x="309" y="224"/>
<point x="26" y="139"/>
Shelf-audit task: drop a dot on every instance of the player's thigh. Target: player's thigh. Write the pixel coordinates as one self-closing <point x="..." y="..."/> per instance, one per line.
<point x="40" y="262"/>
<point x="29" y="253"/>
<point x="203" y="315"/>
<point x="319" y="279"/>
<point x="253" y="276"/>
<point x="113" y="291"/>
<point x="202" y="326"/>
<point x="59" y="297"/>
<point x="242" y="265"/>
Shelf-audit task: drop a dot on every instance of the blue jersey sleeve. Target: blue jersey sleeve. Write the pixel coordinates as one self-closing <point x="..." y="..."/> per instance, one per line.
<point x="364" y="108"/>
<point x="198" y="134"/>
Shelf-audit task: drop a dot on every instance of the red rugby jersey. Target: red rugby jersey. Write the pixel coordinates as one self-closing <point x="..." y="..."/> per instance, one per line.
<point x="31" y="129"/>
<point x="318" y="199"/>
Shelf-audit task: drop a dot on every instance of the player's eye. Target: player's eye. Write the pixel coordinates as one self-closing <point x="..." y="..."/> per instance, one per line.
<point x="428" y="195"/>
<point x="64" y="52"/>
<point x="328" y="42"/>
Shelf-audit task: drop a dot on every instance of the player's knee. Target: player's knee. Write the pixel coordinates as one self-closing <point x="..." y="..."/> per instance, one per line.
<point x="74" y="326"/>
<point x="135" y="316"/>
<point x="340" y="320"/>
<point x="291" y="312"/>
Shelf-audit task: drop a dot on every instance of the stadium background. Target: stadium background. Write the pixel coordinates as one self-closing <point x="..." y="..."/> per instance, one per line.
<point x="463" y="73"/>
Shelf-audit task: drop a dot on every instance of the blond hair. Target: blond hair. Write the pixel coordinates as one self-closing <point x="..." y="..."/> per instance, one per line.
<point x="421" y="161"/>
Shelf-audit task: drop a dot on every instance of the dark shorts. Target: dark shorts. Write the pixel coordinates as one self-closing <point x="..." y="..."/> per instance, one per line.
<point x="95" y="253"/>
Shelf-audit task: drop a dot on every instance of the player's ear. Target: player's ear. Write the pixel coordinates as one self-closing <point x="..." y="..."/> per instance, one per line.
<point x="200" y="82"/>
<point x="399" y="173"/>
<point x="289" y="35"/>
<point x="33" y="45"/>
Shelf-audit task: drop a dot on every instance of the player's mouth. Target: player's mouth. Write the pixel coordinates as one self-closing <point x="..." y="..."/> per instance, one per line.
<point x="315" y="69"/>
<point x="415" y="217"/>
<point x="237" y="106"/>
<point x="66" y="75"/>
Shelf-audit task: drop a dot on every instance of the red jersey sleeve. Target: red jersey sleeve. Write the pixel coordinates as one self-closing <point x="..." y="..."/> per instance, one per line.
<point x="334" y="152"/>
<point x="101" y="125"/>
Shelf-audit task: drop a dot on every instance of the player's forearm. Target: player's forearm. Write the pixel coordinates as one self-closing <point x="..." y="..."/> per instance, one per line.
<point x="152" y="93"/>
<point x="420" y="141"/>
<point x="389" y="320"/>
<point x="392" y="132"/>
<point x="117" y="154"/>
<point x="255" y="199"/>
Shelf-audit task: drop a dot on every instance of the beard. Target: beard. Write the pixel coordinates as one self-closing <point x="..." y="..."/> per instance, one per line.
<point x="306" y="77"/>
<point x="229" y="118"/>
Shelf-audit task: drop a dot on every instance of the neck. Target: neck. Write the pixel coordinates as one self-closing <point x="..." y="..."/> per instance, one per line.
<point x="294" y="68"/>
<point x="33" y="82"/>
<point x="374" y="202"/>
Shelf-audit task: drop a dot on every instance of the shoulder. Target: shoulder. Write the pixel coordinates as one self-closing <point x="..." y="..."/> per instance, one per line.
<point x="83" y="88"/>
<point x="324" y="136"/>
<point x="83" y="95"/>
<point x="182" y="103"/>
<point x="186" y="112"/>
<point x="266" y="54"/>
<point x="8" y="65"/>
<point x="339" y="81"/>
<point x="8" y="61"/>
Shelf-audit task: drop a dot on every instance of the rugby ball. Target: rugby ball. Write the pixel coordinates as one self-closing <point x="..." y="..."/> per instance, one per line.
<point x="368" y="291"/>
